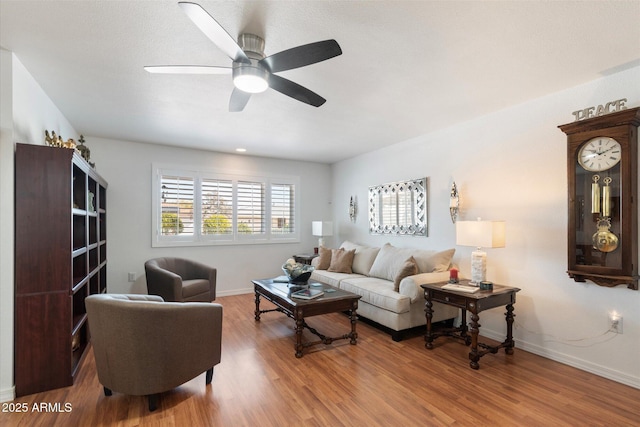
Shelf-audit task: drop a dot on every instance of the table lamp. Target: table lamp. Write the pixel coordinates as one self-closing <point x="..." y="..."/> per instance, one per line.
<point x="480" y="234"/>
<point x="321" y="229"/>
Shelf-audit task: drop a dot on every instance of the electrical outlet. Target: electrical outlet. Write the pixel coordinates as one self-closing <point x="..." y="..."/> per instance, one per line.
<point x="132" y="276"/>
<point x="615" y="323"/>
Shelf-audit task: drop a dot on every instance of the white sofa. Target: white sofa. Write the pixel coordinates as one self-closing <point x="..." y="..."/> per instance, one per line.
<point x="373" y="273"/>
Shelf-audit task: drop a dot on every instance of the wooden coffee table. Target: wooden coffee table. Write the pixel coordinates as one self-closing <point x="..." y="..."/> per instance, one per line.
<point x="331" y="302"/>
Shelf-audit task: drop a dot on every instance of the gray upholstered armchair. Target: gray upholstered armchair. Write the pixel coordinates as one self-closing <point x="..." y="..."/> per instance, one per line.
<point x="177" y="279"/>
<point x="144" y="346"/>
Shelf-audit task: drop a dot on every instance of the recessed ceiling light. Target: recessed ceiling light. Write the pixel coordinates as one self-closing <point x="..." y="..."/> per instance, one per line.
<point x="241" y="150"/>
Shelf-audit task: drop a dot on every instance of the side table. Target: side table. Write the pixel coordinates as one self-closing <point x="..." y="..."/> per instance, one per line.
<point x="304" y="258"/>
<point x="474" y="303"/>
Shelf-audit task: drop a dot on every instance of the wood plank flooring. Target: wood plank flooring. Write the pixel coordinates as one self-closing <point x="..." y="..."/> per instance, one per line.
<point x="377" y="382"/>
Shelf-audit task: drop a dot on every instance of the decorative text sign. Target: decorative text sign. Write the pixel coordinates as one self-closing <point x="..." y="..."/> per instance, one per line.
<point x="600" y="110"/>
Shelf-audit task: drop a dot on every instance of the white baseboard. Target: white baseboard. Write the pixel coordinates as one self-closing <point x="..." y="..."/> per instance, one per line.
<point x="234" y="292"/>
<point x="581" y="364"/>
<point x="8" y="394"/>
<point x="557" y="356"/>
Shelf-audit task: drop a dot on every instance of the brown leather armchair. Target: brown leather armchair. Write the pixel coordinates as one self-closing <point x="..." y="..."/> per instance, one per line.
<point x="144" y="346"/>
<point x="178" y="279"/>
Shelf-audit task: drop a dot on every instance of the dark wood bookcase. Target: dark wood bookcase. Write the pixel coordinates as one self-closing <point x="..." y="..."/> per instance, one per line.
<point x="60" y="259"/>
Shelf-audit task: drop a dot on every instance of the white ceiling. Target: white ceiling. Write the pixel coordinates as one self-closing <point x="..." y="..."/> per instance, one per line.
<point x="408" y="67"/>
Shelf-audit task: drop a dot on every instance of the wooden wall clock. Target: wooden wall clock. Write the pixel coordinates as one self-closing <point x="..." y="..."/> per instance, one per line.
<point x="602" y="165"/>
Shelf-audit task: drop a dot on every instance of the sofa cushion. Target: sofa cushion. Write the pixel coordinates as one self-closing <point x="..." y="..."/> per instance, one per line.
<point x="409" y="268"/>
<point x="364" y="257"/>
<point x="390" y="260"/>
<point x="332" y="278"/>
<point x="194" y="287"/>
<point x="377" y="292"/>
<point x="324" y="258"/>
<point x="341" y="260"/>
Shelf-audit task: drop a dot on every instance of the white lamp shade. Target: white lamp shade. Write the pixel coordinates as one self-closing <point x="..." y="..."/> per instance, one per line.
<point x="322" y="228"/>
<point x="481" y="234"/>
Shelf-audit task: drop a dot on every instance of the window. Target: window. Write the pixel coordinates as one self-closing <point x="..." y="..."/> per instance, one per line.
<point x="282" y="204"/>
<point x="177" y="205"/>
<point x="208" y="208"/>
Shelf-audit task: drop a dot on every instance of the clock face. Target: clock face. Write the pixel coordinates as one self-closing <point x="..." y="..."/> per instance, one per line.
<point x="599" y="154"/>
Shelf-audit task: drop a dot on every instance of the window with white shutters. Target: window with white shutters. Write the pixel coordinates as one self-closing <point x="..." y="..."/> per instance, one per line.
<point x="194" y="208"/>
<point x="176" y="205"/>
<point x="282" y="209"/>
<point x="250" y="203"/>
<point x="217" y="207"/>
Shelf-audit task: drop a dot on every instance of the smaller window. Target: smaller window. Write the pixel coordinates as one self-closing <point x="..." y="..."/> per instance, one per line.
<point x="217" y="207"/>
<point x="177" y="205"/>
<point x="282" y="209"/>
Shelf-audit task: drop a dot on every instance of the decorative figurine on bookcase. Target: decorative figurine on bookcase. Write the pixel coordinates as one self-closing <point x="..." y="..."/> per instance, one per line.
<point x="54" y="140"/>
<point x="85" y="152"/>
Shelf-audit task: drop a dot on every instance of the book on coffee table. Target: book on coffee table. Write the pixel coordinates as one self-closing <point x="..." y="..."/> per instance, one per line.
<point x="307" y="293"/>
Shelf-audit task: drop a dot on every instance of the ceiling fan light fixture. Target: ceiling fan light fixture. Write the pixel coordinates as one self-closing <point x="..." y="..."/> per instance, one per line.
<point x="250" y="78"/>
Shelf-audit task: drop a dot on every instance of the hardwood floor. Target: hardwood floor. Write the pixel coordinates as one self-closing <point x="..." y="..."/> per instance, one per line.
<point x="377" y="382"/>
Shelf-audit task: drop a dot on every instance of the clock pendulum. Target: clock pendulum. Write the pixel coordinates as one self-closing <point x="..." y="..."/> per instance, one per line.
<point x="603" y="239"/>
<point x="595" y="194"/>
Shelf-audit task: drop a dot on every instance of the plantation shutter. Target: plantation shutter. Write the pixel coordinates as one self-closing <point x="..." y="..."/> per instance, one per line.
<point x="282" y="208"/>
<point x="251" y="207"/>
<point x="217" y="207"/>
<point x="176" y="205"/>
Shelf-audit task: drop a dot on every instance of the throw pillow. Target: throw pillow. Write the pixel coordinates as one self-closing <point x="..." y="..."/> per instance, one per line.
<point x="389" y="261"/>
<point x="409" y="268"/>
<point x="341" y="260"/>
<point x="324" y="258"/>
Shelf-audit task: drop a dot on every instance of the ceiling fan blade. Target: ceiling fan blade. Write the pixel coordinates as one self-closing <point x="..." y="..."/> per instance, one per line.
<point x="187" y="69"/>
<point x="238" y="100"/>
<point x="214" y="31"/>
<point x="302" y="55"/>
<point x="295" y="91"/>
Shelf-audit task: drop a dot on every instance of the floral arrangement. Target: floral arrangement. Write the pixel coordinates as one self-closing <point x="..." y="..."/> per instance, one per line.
<point x="297" y="272"/>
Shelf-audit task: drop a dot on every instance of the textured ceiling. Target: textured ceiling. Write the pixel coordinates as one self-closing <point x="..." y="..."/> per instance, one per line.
<point x="407" y="68"/>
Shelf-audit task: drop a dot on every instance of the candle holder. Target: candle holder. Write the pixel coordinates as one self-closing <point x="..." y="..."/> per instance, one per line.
<point x="453" y="275"/>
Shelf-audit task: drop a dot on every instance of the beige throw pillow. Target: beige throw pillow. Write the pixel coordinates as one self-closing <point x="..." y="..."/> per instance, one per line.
<point x="324" y="258"/>
<point x="341" y="260"/>
<point x="409" y="268"/>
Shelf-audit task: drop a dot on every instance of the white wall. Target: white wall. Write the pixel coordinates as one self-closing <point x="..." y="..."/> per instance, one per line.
<point x="6" y="228"/>
<point x="25" y="113"/>
<point x="511" y="165"/>
<point x="126" y="166"/>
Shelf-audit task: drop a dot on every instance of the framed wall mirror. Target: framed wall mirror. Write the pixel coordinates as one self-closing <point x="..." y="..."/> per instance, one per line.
<point x="399" y="208"/>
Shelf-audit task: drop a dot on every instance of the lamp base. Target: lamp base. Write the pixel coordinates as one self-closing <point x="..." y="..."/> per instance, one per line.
<point x="321" y="242"/>
<point x="478" y="267"/>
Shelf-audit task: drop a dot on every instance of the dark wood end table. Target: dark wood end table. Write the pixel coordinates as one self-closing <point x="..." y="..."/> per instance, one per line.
<point x="474" y="303"/>
<point x="338" y="300"/>
<point x="304" y="258"/>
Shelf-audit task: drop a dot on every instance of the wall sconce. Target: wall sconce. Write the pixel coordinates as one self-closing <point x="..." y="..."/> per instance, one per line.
<point x="353" y="208"/>
<point x="454" y="203"/>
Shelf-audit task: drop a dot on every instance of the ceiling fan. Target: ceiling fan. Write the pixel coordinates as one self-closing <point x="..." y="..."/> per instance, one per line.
<point x="253" y="71"/>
